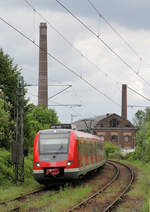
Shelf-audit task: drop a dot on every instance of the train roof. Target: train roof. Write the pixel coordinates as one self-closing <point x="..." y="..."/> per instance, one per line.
<point x="76" y="132"/>
<point x="54" y="130"/>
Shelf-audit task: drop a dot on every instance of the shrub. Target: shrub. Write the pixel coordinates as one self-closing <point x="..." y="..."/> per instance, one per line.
<point x="7" y="170"/>
<point x="111" y="149"/>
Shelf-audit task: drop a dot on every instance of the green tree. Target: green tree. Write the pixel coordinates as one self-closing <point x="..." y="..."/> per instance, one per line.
<point x="8" y="84"/>
<point x="110" y="148"/>
<point x="6" y="124"/>
<point x="8" y="79"/>
<point x="140" y="117"/>
<point x="37" y="119"/>
<point x="142" y="151"/>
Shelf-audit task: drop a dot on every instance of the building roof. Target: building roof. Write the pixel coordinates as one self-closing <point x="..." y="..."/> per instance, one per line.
<point x="93" y="122"/>
<point x="89" y="123"/>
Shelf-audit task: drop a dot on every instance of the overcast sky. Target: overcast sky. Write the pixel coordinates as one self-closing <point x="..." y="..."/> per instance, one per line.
<point x="89" y="58"/>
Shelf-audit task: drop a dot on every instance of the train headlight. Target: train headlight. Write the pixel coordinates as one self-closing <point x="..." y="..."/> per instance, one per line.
<point x="37" y="164"/>
<point x="69" y="163"/>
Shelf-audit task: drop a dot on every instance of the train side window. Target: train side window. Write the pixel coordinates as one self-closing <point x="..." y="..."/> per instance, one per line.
<point x="93" y="148"/>
<point x="98" y="146"/>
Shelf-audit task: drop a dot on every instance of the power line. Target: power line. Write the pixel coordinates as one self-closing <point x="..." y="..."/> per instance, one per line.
<point x="60" y="92"/>
<point x="80" y="53"/>
<point x="60" y="62"/>
<point x="137" y="106"/>
<point x="138" y="93"/>
<point x="119" y="35"/>
<point x="67" y="105"/>
<point x="113" y="29"/>
<point x="104" y="43"/>
<point x="70" y="44"/>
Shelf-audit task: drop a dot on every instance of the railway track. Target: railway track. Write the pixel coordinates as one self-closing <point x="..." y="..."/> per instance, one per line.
<point x="24" y="197"/>
<point x="21" y="198"/>
<point x="27" y="198"/>
<point x="124" y="190"/>
<point x="106" y="205"/>
<point x="112" y="168"/>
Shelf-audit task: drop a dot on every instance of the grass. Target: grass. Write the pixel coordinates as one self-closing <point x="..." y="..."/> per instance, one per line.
<point x="66" y="198"/>
<point x="12" y="191"/>
<point x="70" y="196"/>
<point x="140" y="192"/>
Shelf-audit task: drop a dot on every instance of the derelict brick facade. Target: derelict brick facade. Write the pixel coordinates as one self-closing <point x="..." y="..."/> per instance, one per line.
<point x="43" y="79"/>
<point x="117" y="130"/>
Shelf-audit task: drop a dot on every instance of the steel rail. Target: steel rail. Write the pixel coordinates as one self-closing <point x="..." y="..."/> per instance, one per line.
<point x="115" y="176"/>
<point x="125" y="189"/>
<point x="17" y="209"/>
<point x="23" y="196"/>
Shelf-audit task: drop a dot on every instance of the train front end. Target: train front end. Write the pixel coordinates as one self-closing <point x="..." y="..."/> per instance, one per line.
<point x="51" y="157"/>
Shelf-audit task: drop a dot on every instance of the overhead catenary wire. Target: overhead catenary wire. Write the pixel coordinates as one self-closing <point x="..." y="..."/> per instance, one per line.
<point x="29" y="39"/>
<point x="138" y="93"/>
<point x="77" y="50"/>
<point x="119" y="35"/>
<point x="71" y="44"/>
<point x="60" y="92"/>
<point x="61" y="63"/>
<point x="132" y="106"/>
<point x="104" y="43"/>
<point x="113" y="29"/>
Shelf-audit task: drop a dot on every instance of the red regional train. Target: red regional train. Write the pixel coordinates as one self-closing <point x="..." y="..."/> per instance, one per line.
<point x="65" y="154"/>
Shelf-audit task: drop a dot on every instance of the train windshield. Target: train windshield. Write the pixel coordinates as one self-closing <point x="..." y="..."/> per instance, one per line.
<point x="53" y="143"/>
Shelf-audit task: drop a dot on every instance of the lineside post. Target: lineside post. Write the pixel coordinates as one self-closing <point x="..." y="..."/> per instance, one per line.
<point x="18" y="145"/>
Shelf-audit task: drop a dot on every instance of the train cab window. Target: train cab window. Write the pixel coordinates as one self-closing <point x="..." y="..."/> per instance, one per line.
<point x="114" y="138"/>
<point x="53" y="143"/>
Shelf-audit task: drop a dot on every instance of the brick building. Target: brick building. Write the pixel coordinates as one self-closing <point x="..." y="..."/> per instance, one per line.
<point x="117" y="130"/>
<point x="112" y="127"/>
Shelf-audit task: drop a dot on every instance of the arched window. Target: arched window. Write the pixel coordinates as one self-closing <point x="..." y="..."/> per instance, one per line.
<point x="114" y="123"/>
<point x="127" y="138"/>
<point x="114" y="138"/>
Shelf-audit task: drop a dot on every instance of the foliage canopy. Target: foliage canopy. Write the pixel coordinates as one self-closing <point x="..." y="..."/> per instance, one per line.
<point x="142" y="151"/>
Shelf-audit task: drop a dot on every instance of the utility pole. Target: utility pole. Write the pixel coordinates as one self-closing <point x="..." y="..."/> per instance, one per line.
<point x="18" y="145"/>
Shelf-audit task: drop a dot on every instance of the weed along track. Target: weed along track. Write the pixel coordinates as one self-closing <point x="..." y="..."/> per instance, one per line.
<point x="21" y="197"/>
<point x="95" y="193"/>
<point x="62" y="199"/>
<point x="108" y="195"/>
<point x="16" y="203"/>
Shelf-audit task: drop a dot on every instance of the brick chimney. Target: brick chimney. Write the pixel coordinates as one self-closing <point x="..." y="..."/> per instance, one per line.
<point x="43" y="79"/>
<point x="124" y="101"/>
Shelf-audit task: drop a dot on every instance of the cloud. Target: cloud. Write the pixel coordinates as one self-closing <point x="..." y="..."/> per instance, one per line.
<point x="107" y="74"/>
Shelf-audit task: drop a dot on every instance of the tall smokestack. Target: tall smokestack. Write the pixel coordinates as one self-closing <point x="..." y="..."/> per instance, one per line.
<point x="124" y="101"/>
<point x="43" y="79"/>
